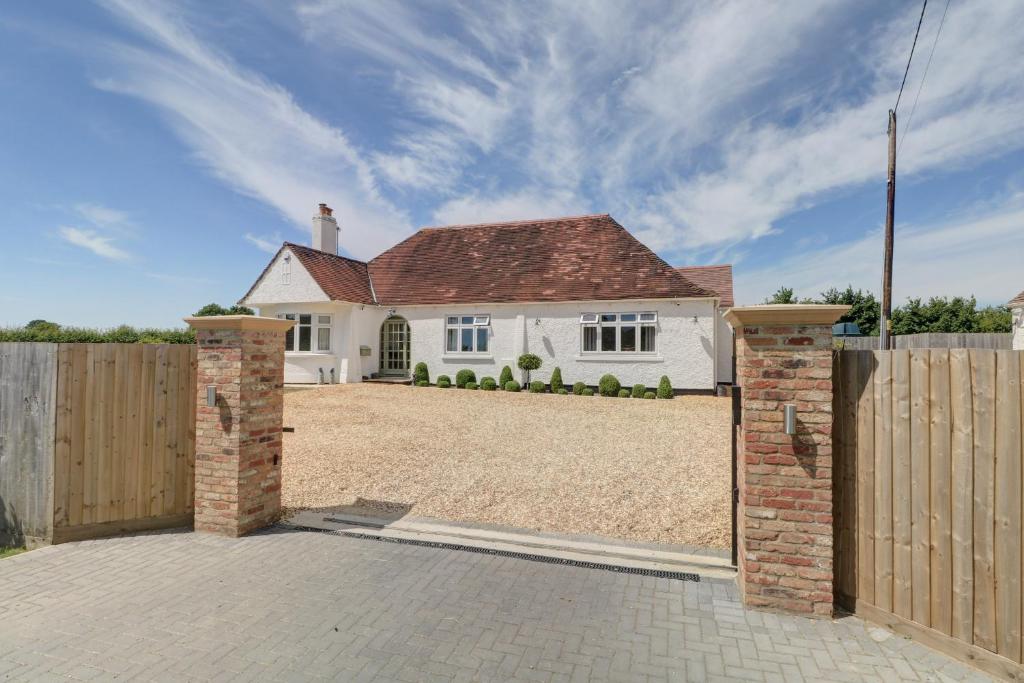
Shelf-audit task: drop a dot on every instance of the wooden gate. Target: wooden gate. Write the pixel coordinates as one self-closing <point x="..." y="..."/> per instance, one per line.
<point x="928" y="497"/>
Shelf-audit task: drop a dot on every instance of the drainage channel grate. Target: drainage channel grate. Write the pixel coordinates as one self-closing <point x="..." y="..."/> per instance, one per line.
<point x="638" y="571"/>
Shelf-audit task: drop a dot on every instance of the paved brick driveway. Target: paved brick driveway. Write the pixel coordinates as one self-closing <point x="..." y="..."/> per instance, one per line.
<point x="302" y="605"/>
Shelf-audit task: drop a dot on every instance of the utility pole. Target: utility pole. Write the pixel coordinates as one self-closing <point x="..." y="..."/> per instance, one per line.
<point x="890" y="206"/>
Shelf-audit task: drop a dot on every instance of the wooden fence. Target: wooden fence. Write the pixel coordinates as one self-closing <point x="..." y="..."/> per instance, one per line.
<point x="935" y="340"/>
<point x="928" y="497"/>
<point x="120" y="454"/>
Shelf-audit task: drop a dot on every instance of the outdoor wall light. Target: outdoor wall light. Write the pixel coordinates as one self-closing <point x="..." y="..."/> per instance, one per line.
<point x="211" y="395"/>
<point x="537" y="321"/>
<point x="789" y="418"/>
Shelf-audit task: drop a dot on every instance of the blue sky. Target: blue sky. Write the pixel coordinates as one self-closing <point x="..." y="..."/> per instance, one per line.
<point x="153" y="154"/>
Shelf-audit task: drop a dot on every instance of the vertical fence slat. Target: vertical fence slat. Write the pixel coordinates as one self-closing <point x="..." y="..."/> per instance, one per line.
<point x="883" y="482"/>
<point x="902" y="512"/>
<point x="182" y="398"/>
<point x="193" y="388"/>
<point x="63" y="429"/>
<point x="920" y="495"/>
<point x="131" y="438"/>
<point x="1008" y="504"/>
<point x="865" y="476"/>
<point x="170" y="444"/>
<point x="941" y="575"/>
<point x="962" y="516"/>
<point x="92" y="440"/>
<point x="146" y="431"/>
<point x="983" y="379"/>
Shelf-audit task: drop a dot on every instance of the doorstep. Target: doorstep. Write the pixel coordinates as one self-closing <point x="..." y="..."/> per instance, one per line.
<point x="569" y="548"/>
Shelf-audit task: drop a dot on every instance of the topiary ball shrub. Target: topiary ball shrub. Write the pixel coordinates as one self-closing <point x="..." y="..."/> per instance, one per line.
<point x="638" y="391"/>
<point x="537" y="387"/>
<point x="609" y="385"/>
<point x="512" y="385"/>
<point x="472" y="385"/>
<point x="587" y="391"/>
<point x="463" y="377"/>
<point x="623" y="393"/>
<point x="562" y="392"/>
<point x="528" y="362"/>
<point x="505" y="377"/>
<point x="649" y="394"/>
<point x="444" y="381"/>
<point x="423" y="383"/>
<point x="578" y="388"/>
<point x="488" y="384"/>
<point x="556" y="381"/>
<point x="420" y="374"/>
<point x="664" y="387"/>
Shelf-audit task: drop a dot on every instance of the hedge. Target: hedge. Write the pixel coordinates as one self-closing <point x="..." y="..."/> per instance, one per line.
<point x="444" y="381"/>
<point x="463" y="377"/>
<point x="587" y="391"/>
<point x="512" y="385"/>
<point x="423" y="383"/>
<point x="420" y="374"/>
<point x="649" y="394"/>
<point x="623" y="393"/>
<point x="488" y="384"/>
<point x="537" y="387"/>
<point x="472" y="385"/>
<point x="562" y="392"/>
<point x="638" y="391"/>
<point x="608" y="385"/>
<point x="578" y="388"/>
<point x="80" y="335"/>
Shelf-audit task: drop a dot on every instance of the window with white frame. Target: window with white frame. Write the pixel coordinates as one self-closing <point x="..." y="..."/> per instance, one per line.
<point x="618" y="332"/>
<point x="286" y="269"/>
<point x="311" y="333"/>
<point x="466" y="333"/>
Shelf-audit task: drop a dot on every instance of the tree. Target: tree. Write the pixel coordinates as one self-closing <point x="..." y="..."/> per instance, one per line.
<point x="217" y="309"/>
<point x="995" y="319"/>
<point x="528" y="362"/>
<point x="783" y="295"/>
<point x="43" y="326"/>
<point x="864" y="308"/>
<point x="940" y="314"/>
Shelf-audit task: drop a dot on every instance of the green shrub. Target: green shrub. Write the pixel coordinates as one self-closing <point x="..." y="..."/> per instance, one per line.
<point x="562" y="392"/>
<point x="609" y="385"/>
<point x="623" y="393"/>
<point x="444" y="381"/>
<point x="505" y="377"/>
<point x="488" y="384"/>
<point x="472" y="385"/>
<point x="422" y="383"/>
<point x="649" y="394"/>
<point x="664" y="387"/>
<point x="578" y="388"/>
<point x="463" y="377"/>
<point x="587" y="391"/>
<point x="420" y="374"/>
<point x="528" y="362"/>
<point x="512" y="385"/>
<point x="638" y="391"/>
<point x="217" y="309"/>
<point x="556" y="381"/>
<point x="537" y="387"/>
<point x="56" y="334"/>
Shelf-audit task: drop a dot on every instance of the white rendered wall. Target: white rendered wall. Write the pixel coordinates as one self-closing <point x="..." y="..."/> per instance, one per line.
<point x="302" y="367"/>
<point x="274" y="289"/>
<point x="1018" y="328"/>
<point x="724" y="342"/>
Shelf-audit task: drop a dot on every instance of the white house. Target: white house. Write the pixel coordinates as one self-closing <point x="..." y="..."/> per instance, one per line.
<point x="580" y="292"/>
<point x="1016" y="306"/>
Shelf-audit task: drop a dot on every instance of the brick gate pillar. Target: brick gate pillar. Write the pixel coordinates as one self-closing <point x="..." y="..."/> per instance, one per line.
<point x="238" y="438"/>
<point x="784" y="519"/>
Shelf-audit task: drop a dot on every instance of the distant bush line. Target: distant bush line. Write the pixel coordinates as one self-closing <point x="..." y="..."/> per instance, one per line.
<point x="117" y="335"/>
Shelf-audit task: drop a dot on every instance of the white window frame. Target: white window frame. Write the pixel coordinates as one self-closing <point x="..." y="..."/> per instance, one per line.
<point x="316" y="323"/>
<point x="286" y="269"/>
<point x="598" y="321"/>
<point x="478" y="321"/>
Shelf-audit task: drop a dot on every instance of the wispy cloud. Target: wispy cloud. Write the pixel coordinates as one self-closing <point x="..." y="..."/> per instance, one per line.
<point x="267" y="243"/>
<point x="105" y="217"/>
<point x="248" y="131"/>
<point x="98" y="244"/>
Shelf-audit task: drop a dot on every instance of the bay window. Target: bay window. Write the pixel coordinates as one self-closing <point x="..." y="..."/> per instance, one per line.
<point x="466" y="333"/>
<point x="618" y="332"/>
<point x="310" y="333"/>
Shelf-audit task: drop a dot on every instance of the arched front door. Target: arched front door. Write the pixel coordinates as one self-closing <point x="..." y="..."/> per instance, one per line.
<point x="394" y="347"/>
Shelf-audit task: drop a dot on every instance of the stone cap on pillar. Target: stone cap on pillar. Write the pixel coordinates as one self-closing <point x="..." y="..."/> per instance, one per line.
<point x="254" y="323"/>
<point x="792" y="314"/>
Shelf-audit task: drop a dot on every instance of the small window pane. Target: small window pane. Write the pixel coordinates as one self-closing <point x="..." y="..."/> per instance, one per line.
<point x="467" y="320"/>
<point x="627" y="342"/>
<point x="608" y="338"/>
<point x="590" y="339"/>
<point x="607" y="317"/>
<point x="305" y="337"/>
<point x="588" y="318"/>
<point x="289" y="316"/>
<point x="323" y="339"/>
<point x="467" y="340"/>
<point x="289" y="339"/>
<point x="481" y="339"/>
<point x="324" y="319"/>
<point x="453" y="341"/>
<point x="648" y="317"/>
<point x="628" y="317"/>
<point x="647" y="338"/>
<point x="482" y="320"/>
<point x="453" y="320"/>
<point x="305" y="318"/>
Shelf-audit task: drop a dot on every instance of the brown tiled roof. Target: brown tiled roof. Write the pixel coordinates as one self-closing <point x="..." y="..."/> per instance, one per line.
<point x="342" y="279"/>
<point x="562" y="259"/>
<point x="717" y="279"/>
<point x="1017" y="300"/>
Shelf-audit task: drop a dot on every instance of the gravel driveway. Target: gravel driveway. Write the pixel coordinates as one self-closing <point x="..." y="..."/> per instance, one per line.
<point x="627" y="468"/>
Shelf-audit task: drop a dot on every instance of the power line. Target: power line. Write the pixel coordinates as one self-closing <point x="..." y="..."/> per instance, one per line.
<point x="921" y="86"/>
<point x="911" y="57"/>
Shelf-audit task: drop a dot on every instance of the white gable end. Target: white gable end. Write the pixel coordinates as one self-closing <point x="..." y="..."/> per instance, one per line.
<point x="285" y="281"/>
